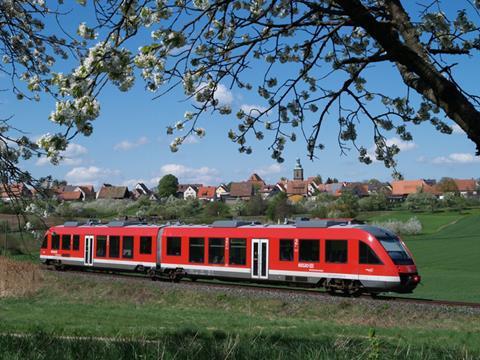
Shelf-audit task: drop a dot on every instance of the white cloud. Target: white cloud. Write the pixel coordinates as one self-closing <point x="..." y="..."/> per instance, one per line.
<point x="222" y="94"/>
<point x="128" y="145"/>
<point x="92" y="175"/>
<point x="422" y="159"/>
<point x="457" y="129"/>
<point x="202" y="175"/>
<point x="72" y="156"/>
<point x="402" y="145"/>
<point x="253" y="110"/>
<point x="269" y="170"/>
<point x="456" y="158"/>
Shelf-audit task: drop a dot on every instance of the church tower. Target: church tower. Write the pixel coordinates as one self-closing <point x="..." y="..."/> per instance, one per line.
<point x="298" y="171"/>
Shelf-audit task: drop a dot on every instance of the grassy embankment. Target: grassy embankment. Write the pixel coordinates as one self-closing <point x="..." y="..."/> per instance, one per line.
<point x="163" y="319"/>
<point x="447" y="253"/>
<point x="179" y="322"/>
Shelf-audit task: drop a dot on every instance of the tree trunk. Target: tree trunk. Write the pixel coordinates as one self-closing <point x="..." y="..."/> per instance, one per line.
<point x="416" y="70"/>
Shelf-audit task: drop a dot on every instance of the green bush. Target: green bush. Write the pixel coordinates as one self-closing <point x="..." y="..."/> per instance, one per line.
<point x="421" y="201"/>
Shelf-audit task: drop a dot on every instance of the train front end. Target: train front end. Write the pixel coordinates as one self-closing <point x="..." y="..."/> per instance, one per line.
<point x="402" y="260"/>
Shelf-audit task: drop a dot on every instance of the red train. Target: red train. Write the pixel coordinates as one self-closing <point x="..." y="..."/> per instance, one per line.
<point x="337" y="255"/>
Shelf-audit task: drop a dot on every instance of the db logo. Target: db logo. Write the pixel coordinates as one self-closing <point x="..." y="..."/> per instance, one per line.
<point x="305" y="266"/>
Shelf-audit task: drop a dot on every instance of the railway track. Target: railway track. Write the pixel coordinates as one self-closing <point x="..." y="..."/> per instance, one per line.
<point x="275" y="288"/>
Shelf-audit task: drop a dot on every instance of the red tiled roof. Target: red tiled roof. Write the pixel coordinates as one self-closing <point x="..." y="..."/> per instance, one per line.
<point x="297" y="187"/>
<point x="466" y="184"/>
<point x="406" y="187"/>
<point x="241" y="189"/>
<point x="112" y="192"/>
<point x="256" y="179"/>
<point x="206" y="192"/>
<point x="70" y="195"/>
<point x="87" y="189"/>
<point x="358" y="188"/>
<point x="14" y="190"/>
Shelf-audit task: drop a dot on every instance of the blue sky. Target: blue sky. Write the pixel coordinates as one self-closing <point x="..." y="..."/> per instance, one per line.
<point x="129" y="142"/>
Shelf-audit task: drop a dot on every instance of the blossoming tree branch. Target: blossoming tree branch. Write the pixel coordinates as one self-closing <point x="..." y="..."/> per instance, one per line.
<point x="310" y="60"/>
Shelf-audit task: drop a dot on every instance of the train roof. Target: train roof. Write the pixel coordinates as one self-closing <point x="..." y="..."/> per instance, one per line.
<point x="228" y="224"/>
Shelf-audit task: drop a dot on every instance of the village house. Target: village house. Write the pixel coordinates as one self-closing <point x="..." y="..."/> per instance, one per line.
<point x="182" y="187"/>
<point x="207" y="193"/>
<point x="76" y="193"/>
<point x="222" y="192"/>
<point x="13" y="192"/>
<point x="190" y="192"/>
<point x="268" y="191"/>
<point x="256" y="181"/>
<point x="402" y="188"/>
<point x="240" y="191"/>
<point x="356" y="188"/>
<point x="140" y="190"/>
<point x="467" y="187"/>
<point x="108" y="191"/>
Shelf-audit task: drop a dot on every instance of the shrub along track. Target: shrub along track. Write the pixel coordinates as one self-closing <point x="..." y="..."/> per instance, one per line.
<point x="255" y="287"/>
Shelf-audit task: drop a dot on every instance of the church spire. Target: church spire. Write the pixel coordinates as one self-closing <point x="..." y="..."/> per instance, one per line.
<point x="298" y="171"/>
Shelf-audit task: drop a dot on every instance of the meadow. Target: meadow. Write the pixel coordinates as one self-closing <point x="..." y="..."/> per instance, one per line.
<point x="447" y="253"/>
<point x="60" y="314"/>
<point x="73" y="314"/>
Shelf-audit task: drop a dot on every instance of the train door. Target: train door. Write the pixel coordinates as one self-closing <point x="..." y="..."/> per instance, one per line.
<point x="259" y="259"/>
<point x="88" y="260"/>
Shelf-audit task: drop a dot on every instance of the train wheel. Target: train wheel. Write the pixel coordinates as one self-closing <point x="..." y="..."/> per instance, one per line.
<point x="153" y="275"/>
<point x="351" y="288"/>
<point x="330" y="288"/>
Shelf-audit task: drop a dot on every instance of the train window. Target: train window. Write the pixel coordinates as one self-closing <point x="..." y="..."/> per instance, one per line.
<point x="76" y="242"/>
<point x="395" y="250"/>
<point x="238" y="252"/>
<point x="127" y="247"/>
<point x="65" y="242"/>
<point x="174" y="246"/>
<point x="216" y="251"/>
<point x="197" y="250"/>
<point x="45" y="242"/>
<point x="55" y="242"/>
<point x="114" y="246"/>
<point x="101" y="246"/>
<point x="309" y="250"/>
<point x="336" y="251"/>
<point x="367" y="255"/>
<point x="286" y="250"/>
<point x="145" y="244"/>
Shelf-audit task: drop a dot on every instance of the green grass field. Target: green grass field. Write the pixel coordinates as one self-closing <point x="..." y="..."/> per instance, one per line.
<point x="447" y="253"/>
<point x="73" y="316"/>
<point x="195" y="323"/>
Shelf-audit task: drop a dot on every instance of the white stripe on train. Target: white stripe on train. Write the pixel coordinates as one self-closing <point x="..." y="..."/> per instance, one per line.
<point x="316" y="274"/>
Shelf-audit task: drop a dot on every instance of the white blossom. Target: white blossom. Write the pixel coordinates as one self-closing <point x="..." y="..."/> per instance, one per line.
<point x="85" y="32"/>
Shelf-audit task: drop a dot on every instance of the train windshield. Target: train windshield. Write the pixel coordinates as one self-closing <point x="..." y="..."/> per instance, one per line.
<point x="395" y="250"/>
